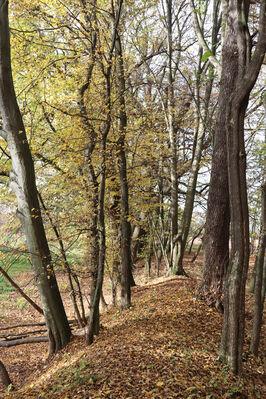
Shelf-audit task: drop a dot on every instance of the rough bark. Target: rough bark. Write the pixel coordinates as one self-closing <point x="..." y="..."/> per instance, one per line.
<point x="245" y="72"/>
<point x="216" y="238"/>
<point x="23" y="183"/>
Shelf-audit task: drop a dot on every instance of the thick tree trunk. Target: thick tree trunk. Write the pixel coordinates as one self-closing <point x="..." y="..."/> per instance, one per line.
<point x="234" y="317"/>
<point x="245" y="73"/>
<point x="216" y="238"/>
<point x="23" y="183"/>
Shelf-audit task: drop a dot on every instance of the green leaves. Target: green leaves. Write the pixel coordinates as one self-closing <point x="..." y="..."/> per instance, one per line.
<point x="206" y="55"/>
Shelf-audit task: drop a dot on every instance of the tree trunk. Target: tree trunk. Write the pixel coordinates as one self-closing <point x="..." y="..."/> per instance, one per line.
<point x="4" y="376"/>
<point x="193" y="177"/>
<point x="236" y="60"/>
<point x="126" y="262"/>
<point x="94" y="323"/>
<point x="80" y="317"/>
<point x="216" y="238"/>
<point x="259" y="291"/>
<point x="173" y="144"/>
<point x="23" y="183"/>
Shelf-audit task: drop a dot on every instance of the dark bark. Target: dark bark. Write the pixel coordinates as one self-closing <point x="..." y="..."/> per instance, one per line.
<point x="4" y="376"/>
<point x="125" y="250"/>
<point x="99" y="197"/>
<point x="216" y="237"/>
<point x="93" y="191"/>
<point x="94" y="323"/>
<point x="245" y="72"/>
<point x="23" y="183"/>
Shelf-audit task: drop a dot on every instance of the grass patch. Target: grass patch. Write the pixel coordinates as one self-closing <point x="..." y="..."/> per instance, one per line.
<point x="12" y="264"/>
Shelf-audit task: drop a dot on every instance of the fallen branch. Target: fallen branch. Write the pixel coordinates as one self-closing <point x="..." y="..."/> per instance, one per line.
<point x="31" y="325"/>
<point x="22" y="325"/>
<point x="21" y="335"/>
<point x="22" y="341"/>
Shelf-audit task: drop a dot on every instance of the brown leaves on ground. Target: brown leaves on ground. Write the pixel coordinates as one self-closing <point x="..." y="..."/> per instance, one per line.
<point x="165" y="346"/>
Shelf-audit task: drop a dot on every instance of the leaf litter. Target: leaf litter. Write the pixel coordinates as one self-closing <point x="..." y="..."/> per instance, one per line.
<point x="165" y="346"/>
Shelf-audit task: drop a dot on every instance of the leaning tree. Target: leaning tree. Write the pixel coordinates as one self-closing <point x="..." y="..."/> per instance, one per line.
<point x="22" y="179"/>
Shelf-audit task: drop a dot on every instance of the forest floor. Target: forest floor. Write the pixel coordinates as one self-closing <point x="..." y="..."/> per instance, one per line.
<point x="165" y="346"/>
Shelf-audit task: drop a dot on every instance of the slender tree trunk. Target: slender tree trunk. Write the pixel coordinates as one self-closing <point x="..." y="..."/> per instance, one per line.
<point x="173" y="144"/>
<point x="23" y="183"/>
<point x="22" y="293"/>
<point x="126" y="262"/>
<point x="93" y="234"/>
<point x="94" y="323"/>
<point x="259" y="291"/>
<point x="80" y="317"/>
<point x="193" y="177"/>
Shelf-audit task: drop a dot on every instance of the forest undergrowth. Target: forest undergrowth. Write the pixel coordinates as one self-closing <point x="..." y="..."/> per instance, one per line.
<point x="164" y="346"/>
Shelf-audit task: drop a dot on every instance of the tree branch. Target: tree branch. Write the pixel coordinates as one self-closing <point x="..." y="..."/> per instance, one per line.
<point x="22" y="341"/>
<point x="213" y="60"/>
